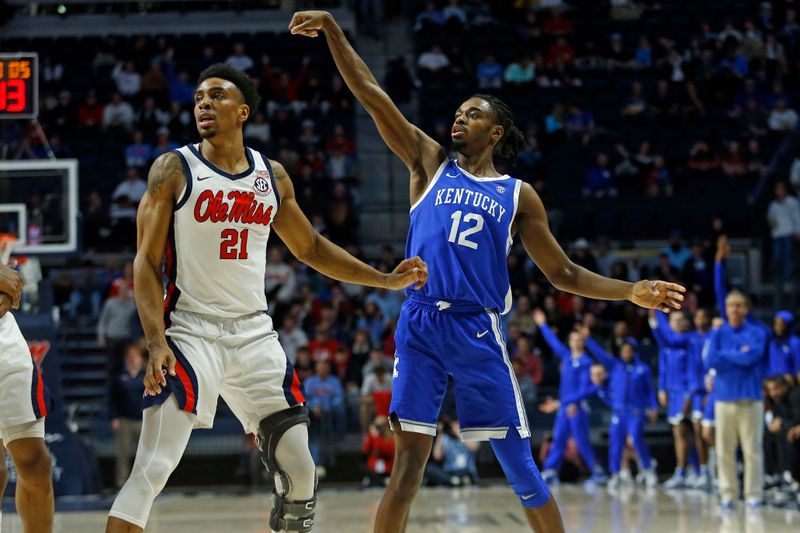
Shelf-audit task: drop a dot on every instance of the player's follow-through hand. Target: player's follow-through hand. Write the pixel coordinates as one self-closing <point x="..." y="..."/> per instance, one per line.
<point x="411" y="271"/>
<point x="657" y="295"/>
<point x="307" y="23"/>
<point x="155" y="378"/>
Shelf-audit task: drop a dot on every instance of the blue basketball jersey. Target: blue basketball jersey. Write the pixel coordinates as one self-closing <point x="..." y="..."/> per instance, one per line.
<point x="461" y="226"/>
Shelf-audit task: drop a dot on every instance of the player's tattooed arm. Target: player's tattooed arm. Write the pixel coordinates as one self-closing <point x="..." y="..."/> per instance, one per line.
<point x="153" y="218"/>
<point x="420" y="153"/>
<point x="565" y="275"/>
<point x="307" y="245"/>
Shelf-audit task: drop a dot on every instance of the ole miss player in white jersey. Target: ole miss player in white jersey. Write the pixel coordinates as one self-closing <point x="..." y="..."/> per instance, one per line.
<point x="209" y="208"/>
<point x="24" y="402"/>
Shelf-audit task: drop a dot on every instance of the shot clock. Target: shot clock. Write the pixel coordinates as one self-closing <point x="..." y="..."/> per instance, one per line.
<point x="19" y="85"/>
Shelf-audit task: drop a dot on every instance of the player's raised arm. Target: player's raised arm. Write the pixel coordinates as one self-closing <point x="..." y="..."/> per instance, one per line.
<point x="565" y="275"/>
<point x="322" y="255"/>
<point x="152" y="223"/>
<point x="421" y="154"/>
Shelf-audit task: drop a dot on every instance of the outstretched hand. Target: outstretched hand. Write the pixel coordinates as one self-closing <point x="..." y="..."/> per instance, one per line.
<point x="660" y="295"/>
<point x="411" y="271"/>
<point x="307" y="23"/>
<point x="539" y="317"/>
<point x="723" y="248"/>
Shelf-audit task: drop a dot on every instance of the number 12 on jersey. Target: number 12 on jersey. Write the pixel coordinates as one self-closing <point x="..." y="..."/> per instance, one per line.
<point x="231" y="238"/>
<point x="462" y="236"/>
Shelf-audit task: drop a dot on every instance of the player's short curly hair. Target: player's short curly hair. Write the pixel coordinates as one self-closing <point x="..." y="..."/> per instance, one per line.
<point x="242" y="81"/>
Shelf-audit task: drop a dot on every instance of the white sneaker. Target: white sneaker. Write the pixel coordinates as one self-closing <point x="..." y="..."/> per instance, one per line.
<point x="614" y="481"/>
<point x="550" y="477"/>
<point x="677" y="481"/>
<point x="625" y="475"/>
<point x="650" y="478"/>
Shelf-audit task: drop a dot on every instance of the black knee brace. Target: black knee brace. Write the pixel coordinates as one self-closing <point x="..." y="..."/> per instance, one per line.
<point x="300" y="513"/>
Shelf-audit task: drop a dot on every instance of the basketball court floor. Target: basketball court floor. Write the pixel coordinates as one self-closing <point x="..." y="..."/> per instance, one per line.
<point x="471" y="510"/>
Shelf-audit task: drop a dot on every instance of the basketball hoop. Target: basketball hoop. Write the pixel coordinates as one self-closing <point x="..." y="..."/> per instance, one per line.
<point x="7" y="243"/>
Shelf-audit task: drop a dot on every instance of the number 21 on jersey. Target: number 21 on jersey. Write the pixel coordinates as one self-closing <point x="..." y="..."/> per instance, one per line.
<point x="234" y="244"/>
<point x="463" y="236"/>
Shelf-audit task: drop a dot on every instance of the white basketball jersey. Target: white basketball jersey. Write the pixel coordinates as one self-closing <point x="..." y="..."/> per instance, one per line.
<point x="217" y="244"/>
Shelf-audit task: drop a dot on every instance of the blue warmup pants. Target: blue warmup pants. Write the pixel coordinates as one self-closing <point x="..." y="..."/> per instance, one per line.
<point x="578" y="428"/>
<point x="624" y="425"/>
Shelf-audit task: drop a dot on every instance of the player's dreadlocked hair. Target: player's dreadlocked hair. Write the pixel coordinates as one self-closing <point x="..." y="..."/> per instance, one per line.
<point x="242" y="81"/>
<point x="512" y="139"/>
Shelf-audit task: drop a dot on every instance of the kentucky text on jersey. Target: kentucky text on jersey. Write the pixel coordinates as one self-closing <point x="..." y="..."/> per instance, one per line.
<point x="464" y="196"/>
<point x="243" y="208"/>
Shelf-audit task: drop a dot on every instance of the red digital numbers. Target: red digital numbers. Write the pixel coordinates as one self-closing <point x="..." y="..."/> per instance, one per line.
<point x="12" y="96"/>
<point x="233" y="241"/>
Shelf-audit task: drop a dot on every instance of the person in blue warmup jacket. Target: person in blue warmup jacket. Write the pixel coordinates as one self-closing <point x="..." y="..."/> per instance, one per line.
<point x="738" y="353"/>
<point x="632" y="398"/>
<point x="675" y="385"/>
<point x="700" y="396"/>
<point x="573" y="418"/>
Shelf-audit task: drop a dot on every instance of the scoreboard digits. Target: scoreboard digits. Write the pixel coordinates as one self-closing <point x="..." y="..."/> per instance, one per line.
<point x="18" y="85"/>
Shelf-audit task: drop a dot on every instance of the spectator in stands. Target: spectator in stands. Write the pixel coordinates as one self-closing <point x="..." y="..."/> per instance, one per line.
<point x="554" y="121"/>
<point x="532" y="362"/>
<point x="489" y="73"/>
<point x="303" y="365"/>
<point x="658" y="180"/>
<point x="359" y="350"/>
<point x="150" y="118"/>
<point x="579" y="122"/>
<point x="399" y="84"/>
<point x="339" y="141"/>
<point x="125" y="409"/>
<point x="676" y="251"/>
<point x="433" y="60"/>
<point x="256" y="133"/>
<point x="389" y="302"/>
<point x="604" y="257"/>
<point x="527" y="387"/>
<point x="132" y="187"/>
<point x="372" y="322"/>
<point x="292" y="338"/>
<point x="86" y="298"/>
<point x="453" y="10"/>
<point x="115" y="328"/>
<point x="379" y="448"/>
<point x="703" y="162"/>
<point x="560" y="53"/>
<point x="617" y="55"/>
<point x="322" y="347"/>
<point x="636" y="105"/>
<point x="557" y="23"/>
<point x="118" y="114"/>
<point x="600" y="178"/>
<point x="582" y="255"/>
<point x="325" y="401"/>
<point x="520" y="72"/>
<point x="756" y="166"/>
<point x="644" y="54"/>
<point x="239" y="59"/>
<point x="280" y="283"/>
<point x="375" y="393"/>
<point x="138" y="153"/>
<point x="127" y="79"/>
<point x="782" y="119"/>
<point x="163" y="142"/>
<point x="430" y="16"/>
<point x="377" y="357"/>
<point x="454" y="461"/>
<point x="734" y="163"/>
<point x="154" y="83"/>
<point x="521" y="316"/>
<point x="697" y="273"/>
<point x="664" y="105"/>
<point x="737" y="351"/>
<point x="783" y="216"/>
<point x="97" y="224"/>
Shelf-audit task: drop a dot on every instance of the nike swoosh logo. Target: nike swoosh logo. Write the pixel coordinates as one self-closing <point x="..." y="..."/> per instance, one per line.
<point x="529" y="496"/>
<point x="482" y="334"/>
<point x="450" y="175"/>
<point x="204" y="178"/>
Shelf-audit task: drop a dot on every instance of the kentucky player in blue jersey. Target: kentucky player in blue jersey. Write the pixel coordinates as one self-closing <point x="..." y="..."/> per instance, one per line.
<point x="464" y="214"/>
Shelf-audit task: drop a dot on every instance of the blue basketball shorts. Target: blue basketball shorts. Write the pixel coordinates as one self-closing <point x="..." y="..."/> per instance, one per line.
<point x="437" y="339"/>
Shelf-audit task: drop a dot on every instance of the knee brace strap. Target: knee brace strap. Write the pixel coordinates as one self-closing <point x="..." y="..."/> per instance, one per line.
<point x="300" y="515"/>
